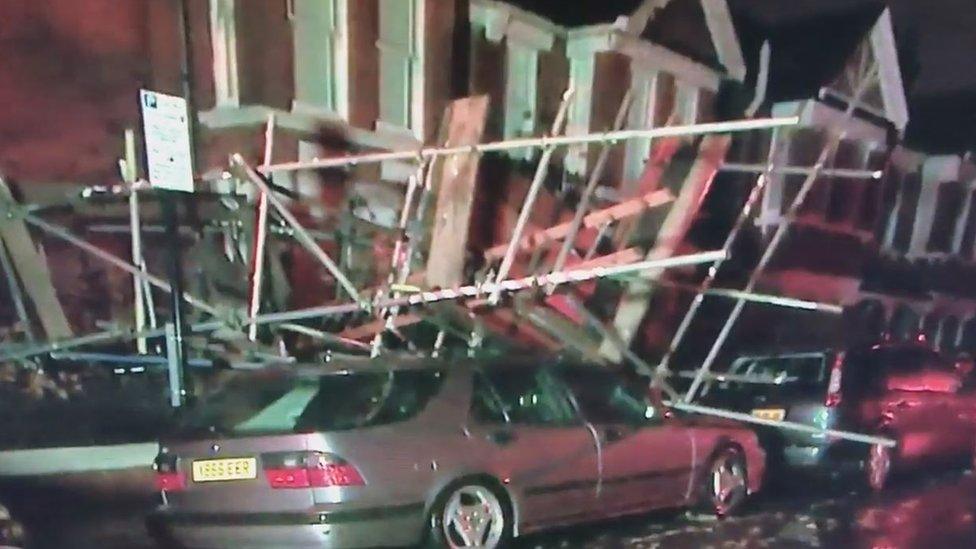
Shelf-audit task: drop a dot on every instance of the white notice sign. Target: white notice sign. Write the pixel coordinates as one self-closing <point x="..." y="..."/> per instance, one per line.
<point x="166" y="124"/>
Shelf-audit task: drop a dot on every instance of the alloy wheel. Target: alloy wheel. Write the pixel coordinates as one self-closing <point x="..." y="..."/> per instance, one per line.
<point x="473" y="516"/>
<point x="727" y="482"/>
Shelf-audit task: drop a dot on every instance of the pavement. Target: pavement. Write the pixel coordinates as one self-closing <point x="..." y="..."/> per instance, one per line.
<point x="104" y="510"/>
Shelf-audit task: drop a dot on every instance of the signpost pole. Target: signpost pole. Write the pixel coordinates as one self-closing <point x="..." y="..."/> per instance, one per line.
<point x="175" y="347"/>
<point x="171" y="218"/>
<point x="168" y="122"/>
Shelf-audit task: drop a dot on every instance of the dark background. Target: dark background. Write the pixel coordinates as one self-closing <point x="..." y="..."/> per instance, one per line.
<point x="810" y="40"/>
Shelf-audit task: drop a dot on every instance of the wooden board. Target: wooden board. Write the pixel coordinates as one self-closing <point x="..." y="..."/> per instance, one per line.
<point x="32" y="268"/>
<point x="627" y="208"/>
<point x="455" y="178"/>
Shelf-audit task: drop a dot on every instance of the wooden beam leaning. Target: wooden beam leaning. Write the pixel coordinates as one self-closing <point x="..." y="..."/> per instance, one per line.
<point x="455" y="180"/>
<point x="32" y="267"/>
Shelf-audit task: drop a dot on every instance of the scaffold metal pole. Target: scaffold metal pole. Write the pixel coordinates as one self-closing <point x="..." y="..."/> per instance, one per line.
<point x="828" y="152"/>
<point x="537" y="142"/>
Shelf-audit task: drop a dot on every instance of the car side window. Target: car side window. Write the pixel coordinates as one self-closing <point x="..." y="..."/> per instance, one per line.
<point x="604" y="397"/>
<point x="486" y="405"/>
<point x="520" y="396"/>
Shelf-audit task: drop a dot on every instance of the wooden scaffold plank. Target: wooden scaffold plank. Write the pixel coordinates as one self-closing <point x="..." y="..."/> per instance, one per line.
<point x="32" y="268"/>
<point x="455" y="182"/>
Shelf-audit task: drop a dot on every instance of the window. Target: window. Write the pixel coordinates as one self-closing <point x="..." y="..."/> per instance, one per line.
<point x="280" y="402"/>
<point x="844" y="195"/>
<point x="910" y="192"/>
<point x="641" y="117"/>
<point x="904" y="323"/>
<point x="318" y="38"/>
<point x="951" y="197"/>
<point x="967" y="339"/>
<point x="520" y="94"/>
<point x="968" y="240"/>
<point x="223" y="38"/>
<point x="949" y="334"/>
<point x="604" y="397"/>
<point x="520" y="395"/>
<point x="400" y="64"/>
<point x="687" y="104"/>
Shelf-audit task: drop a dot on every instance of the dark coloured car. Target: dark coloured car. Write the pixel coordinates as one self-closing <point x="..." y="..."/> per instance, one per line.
<point x="460" y="455"/>
<point x="11" y="531"/>
<point x="906" y="392"/>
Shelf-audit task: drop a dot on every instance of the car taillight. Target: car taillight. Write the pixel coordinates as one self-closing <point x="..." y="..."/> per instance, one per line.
<point x="309" y="470"/>
<point x="168" y="475"/>
<point x="833" y="385"/>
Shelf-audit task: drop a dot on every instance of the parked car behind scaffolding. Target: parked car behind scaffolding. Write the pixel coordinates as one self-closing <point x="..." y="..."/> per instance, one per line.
<point x="903" y="391"/>
<point x="464" y="454"/>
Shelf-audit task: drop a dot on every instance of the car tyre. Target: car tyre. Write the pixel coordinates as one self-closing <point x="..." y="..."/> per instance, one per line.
<point x="470" y="514"/>
<point x="725" y="484"/>
<point x="877" y="467"/>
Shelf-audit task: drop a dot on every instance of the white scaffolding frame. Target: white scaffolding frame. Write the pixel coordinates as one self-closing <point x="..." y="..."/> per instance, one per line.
<point x="397" y="300"/>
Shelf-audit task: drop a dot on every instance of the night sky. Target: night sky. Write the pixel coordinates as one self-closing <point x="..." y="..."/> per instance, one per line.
<point x="936" y="38"/>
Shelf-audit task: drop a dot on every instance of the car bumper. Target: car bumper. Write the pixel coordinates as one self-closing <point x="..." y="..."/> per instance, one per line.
<point x="345" y="529"/>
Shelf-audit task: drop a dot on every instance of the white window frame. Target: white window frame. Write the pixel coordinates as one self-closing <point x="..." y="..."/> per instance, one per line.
<point x="935" y="171"/>
<point x="959" y="234"/>
<point x="334" y="78"/>
<point x="687" y="101"/>
<point x="521" y="94"/>
<point x="223" y="41"/>
<point x="524" y="41"/>
<point x="644" y="84"/>
<point x="414" y="89"/>
<point x="582" y="71"/>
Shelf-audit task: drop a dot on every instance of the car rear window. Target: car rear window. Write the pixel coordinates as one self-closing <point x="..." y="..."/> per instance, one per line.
<point x="262" y="403"/>
<point x="778" y="377"/>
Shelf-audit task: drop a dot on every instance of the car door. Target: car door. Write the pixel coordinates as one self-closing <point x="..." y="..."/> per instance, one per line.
<point x="538" y="443"/>
<point x="646" y="460"/>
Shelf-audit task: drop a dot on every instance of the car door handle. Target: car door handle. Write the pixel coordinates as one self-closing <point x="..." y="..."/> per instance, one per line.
<point x="502" y="438"/>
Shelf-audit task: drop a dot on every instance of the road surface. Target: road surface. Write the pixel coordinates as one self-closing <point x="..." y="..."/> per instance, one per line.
<point x="929" y="513"/>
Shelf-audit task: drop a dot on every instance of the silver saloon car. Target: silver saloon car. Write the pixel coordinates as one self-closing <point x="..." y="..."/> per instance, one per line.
<point x="465" y="454"/>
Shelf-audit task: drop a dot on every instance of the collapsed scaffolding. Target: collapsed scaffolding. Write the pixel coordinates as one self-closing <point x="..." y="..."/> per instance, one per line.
<point x="456" y="157"/>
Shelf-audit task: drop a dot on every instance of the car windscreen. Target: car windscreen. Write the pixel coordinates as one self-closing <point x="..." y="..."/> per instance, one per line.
<point x="279" y="402"/>
<point x="773" y="378"/>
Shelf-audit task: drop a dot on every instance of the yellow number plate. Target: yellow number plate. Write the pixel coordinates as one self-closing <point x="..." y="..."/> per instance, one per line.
<point x="216" y="470"/>
<point x="774" y="414"/>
